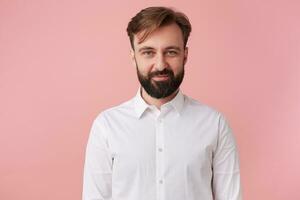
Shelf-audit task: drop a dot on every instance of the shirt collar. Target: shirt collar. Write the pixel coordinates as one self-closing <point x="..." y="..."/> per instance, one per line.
<point x="140" y="105"/>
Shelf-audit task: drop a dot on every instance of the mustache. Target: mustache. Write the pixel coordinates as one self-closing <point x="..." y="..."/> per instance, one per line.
<point x="164" y="72"/>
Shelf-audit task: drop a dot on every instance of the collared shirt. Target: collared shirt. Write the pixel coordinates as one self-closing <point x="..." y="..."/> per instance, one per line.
<point x="184" y="151"/>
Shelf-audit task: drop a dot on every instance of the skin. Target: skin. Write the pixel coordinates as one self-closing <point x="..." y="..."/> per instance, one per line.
<point x="164" y="48"/>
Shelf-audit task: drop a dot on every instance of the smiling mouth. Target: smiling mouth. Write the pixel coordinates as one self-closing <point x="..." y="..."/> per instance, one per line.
<point x="161" y="77"/>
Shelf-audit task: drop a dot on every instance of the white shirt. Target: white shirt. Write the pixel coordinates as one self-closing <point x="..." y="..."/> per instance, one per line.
<point x="184" y="151"/>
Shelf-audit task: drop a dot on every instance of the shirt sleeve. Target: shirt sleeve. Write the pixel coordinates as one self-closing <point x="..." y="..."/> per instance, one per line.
<point x="97" y="177"/>
<point x="226" y="173"/>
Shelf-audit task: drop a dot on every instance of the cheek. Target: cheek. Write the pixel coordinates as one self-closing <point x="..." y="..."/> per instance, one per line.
<point x="177" y="65"/>
<point x="144" y="67"/>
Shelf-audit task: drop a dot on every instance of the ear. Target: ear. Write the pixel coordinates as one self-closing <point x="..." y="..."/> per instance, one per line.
<point x="186" y="51"/>
<point x="132" y="56"/>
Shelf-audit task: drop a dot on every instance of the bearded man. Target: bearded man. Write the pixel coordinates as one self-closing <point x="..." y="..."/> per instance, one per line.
<point x="161" y="144"/>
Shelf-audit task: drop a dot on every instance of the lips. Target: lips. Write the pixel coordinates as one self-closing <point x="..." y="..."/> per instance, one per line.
<point x="161" y="77"/>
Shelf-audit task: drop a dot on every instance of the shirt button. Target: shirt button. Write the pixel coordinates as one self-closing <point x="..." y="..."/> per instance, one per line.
<point x="160" y="181"/>
<point x="160" y="149"/>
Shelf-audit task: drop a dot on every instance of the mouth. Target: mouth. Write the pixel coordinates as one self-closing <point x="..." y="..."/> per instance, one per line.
<point x="161" y="77"/>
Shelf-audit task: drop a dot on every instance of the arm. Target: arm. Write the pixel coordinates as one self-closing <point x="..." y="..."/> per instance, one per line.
<point x="97" y="176"/>
<point x="226" y="172"/>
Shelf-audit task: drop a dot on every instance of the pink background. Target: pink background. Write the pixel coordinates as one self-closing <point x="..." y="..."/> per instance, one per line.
<point x="62" y="62"/>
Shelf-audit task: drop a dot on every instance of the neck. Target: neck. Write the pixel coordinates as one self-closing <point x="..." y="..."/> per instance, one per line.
<point x="157" y="102"/>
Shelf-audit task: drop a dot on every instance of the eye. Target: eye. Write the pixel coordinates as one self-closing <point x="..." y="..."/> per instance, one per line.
<point x="148" y="53"/>
<point x="172" y="53"/>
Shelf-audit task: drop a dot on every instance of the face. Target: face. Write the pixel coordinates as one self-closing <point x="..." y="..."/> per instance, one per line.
<point x="160" y="60"/>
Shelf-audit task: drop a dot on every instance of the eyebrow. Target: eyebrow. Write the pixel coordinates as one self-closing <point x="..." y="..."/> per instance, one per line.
<point x="151" y="48"/>
<point x="145" y="48"/>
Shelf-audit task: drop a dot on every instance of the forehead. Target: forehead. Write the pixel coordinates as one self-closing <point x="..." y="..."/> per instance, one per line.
<point x="169" y="35"/>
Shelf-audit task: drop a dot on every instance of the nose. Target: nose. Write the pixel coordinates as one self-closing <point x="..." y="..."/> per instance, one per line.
<point x="161" y="63"/>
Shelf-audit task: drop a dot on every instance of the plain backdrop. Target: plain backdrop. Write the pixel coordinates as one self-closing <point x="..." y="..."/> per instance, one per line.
<point x="63" y="62"/>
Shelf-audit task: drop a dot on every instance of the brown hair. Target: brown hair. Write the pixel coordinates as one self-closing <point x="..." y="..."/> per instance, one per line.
<point x="151" y="18"/>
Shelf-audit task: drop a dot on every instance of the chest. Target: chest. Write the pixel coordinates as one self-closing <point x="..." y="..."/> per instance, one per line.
<point x="176" y="143"/>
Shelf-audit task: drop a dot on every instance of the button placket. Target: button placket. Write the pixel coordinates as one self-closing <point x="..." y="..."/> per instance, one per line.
<point x="159" y="157"/>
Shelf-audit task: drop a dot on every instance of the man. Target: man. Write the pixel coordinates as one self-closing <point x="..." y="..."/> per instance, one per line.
<point x="161" y="144"/>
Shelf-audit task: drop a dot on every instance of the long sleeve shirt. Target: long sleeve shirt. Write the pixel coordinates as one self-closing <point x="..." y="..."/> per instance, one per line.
<point x="183" y="151"/>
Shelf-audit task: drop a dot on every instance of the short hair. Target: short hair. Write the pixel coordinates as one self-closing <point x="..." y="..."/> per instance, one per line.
<point x="151" y="18"/>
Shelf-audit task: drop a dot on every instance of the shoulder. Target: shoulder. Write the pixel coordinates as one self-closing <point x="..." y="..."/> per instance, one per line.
<point x="204" y="113"/>
<point x="196" y="107"/>
<point x="124" y="108"/>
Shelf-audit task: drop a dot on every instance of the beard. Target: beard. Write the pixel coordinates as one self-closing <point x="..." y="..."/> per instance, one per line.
<point x="163" y="88"/>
